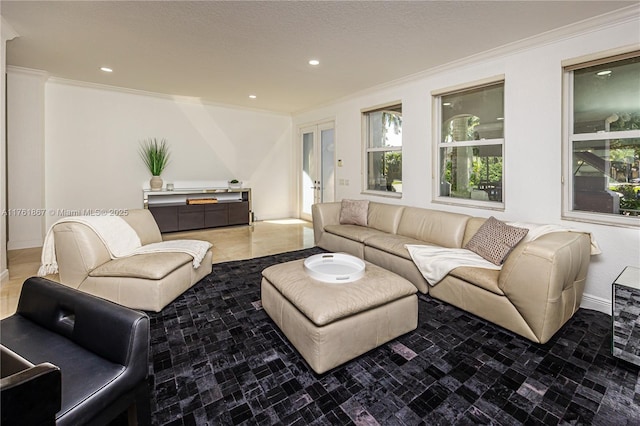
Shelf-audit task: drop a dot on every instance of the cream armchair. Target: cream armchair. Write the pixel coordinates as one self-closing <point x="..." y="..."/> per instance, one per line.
<point x="144" y="281"/>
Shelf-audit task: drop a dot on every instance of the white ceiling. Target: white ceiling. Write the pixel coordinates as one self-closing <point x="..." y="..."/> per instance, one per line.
<point x="223" y="51"/>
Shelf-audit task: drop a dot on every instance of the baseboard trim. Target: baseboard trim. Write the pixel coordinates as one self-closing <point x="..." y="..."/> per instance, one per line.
<point x="18" y="245"/>
<point x="596" y="303"/>
<point x="4" y="276"/>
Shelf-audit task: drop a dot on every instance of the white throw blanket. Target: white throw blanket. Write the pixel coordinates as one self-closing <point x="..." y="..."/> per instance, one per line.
<point x="537" y="230"/>
<point x="197" y="249"/>
<point x="120" y="239"/>
<point x="436" y="262"/>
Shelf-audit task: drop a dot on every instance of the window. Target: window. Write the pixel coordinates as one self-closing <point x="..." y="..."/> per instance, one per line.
<point x="383" y="149"/>
<point x="603" y="140"/>
<point x="471" y="145"/>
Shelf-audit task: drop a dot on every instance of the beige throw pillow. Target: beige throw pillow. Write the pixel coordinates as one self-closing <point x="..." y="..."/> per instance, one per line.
<point x="354" y="212"/>
<point x="495" y="240"/>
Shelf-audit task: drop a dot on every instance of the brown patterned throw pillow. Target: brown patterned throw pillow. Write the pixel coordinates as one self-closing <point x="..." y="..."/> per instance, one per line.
<point x="354" y="212"/>
<point x="495" y="240"/>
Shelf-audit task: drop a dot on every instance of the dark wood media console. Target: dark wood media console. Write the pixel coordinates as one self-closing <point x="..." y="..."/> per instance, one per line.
<point x="172" y="211"/>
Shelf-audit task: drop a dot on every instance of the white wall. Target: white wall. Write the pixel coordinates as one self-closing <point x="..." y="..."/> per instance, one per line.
<point x="533" y="139"/>
<point x="25" y="154"/>
<point x="91" y="141"/>
<point x="93" y="136"/>
<point x="6" y="33"/>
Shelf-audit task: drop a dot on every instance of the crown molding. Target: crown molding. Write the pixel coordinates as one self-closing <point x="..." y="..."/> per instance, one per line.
<point x="598" y="23"/>
<point x="27" y="71"/>
<point x="174" y="98"/>
<point x="8" y="33"/>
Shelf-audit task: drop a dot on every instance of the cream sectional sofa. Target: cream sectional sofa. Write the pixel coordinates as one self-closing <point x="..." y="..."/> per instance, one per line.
<point x="144" y="281"/>
<point x="538" y="288"/>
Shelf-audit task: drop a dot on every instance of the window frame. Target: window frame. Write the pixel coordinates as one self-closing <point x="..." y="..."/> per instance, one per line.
<point x="367" y="149"/>
<point x="438" y="144"/>
<point x="569" y="137"/>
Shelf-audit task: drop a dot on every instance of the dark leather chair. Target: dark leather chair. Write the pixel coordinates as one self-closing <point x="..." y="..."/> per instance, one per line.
<point x="80" y="357"/>
<point x="33" y="391"/>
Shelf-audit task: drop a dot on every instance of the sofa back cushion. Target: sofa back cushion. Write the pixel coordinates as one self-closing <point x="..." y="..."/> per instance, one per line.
<point x="142" y="221"/>
<point x="440" y="228"/>
<point x="384" y="217"/>
<point x="473" y="225"/>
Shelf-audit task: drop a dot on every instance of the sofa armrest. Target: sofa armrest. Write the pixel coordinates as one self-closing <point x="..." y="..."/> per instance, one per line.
<point x="324" y="214"/>
<point x="114" y="332"/>
<point x="544" y="279"/>
<point x="79" y="251"/>
<point x="30" y="394"/>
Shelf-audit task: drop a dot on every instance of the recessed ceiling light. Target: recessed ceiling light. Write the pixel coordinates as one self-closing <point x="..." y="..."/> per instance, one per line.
<point x="446" y="104"/>
<point x="499" y="118"/>
<point x="603" y="73"/>
<point x="106" y="69"/>
<point x="252" y="96"/>
<point x="314" y="62"/>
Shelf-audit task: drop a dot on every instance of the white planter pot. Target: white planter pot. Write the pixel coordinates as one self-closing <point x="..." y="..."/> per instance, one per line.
<point x="156" y="183"/>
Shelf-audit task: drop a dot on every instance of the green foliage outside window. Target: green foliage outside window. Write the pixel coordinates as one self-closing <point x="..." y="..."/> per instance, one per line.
<point x="469" y="169"/>
<point x="629" y="202"/>
<point x="625" y="158"/>
<point x="392" y="169"/>
<point x="625" y="121"/>
<point x="384" y="149"/>
<point x="485" y="170"/>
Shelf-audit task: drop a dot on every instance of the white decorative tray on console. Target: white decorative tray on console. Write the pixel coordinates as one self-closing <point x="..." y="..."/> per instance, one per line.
<point x="334" y="268"/>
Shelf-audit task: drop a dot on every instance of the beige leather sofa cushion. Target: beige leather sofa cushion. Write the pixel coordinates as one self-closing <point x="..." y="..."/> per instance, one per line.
<point x="393" y="244"/>
<point x="484" y="278"/>
<point x="443" y="229"/>
<point x="473" y="225"/>
<point x="153" y="266"/>
<point x="352" y="232"/>
<point x="324" y="303"/>
<point x="142" y="221"/>
<point x="384" y="217"/>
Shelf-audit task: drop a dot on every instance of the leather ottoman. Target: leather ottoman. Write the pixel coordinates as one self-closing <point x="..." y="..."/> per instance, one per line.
<point x="330" y="324"/>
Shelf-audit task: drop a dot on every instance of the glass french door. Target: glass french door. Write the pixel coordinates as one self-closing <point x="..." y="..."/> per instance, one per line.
<point x="317" y="183"/>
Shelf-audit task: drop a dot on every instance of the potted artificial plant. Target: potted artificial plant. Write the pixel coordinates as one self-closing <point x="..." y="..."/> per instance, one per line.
<point x="235" y="184"/>
<point x="155" y="155"/>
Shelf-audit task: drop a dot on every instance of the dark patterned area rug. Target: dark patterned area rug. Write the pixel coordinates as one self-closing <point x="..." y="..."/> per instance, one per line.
<point x="218" y="359"/>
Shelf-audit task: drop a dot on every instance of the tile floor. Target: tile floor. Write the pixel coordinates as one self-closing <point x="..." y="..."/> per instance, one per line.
<point x="230" y="243"/>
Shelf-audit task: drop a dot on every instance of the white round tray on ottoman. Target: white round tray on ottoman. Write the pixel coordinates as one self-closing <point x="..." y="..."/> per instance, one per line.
<point x="334" y="267"/>
<point x="331" y="324"/>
